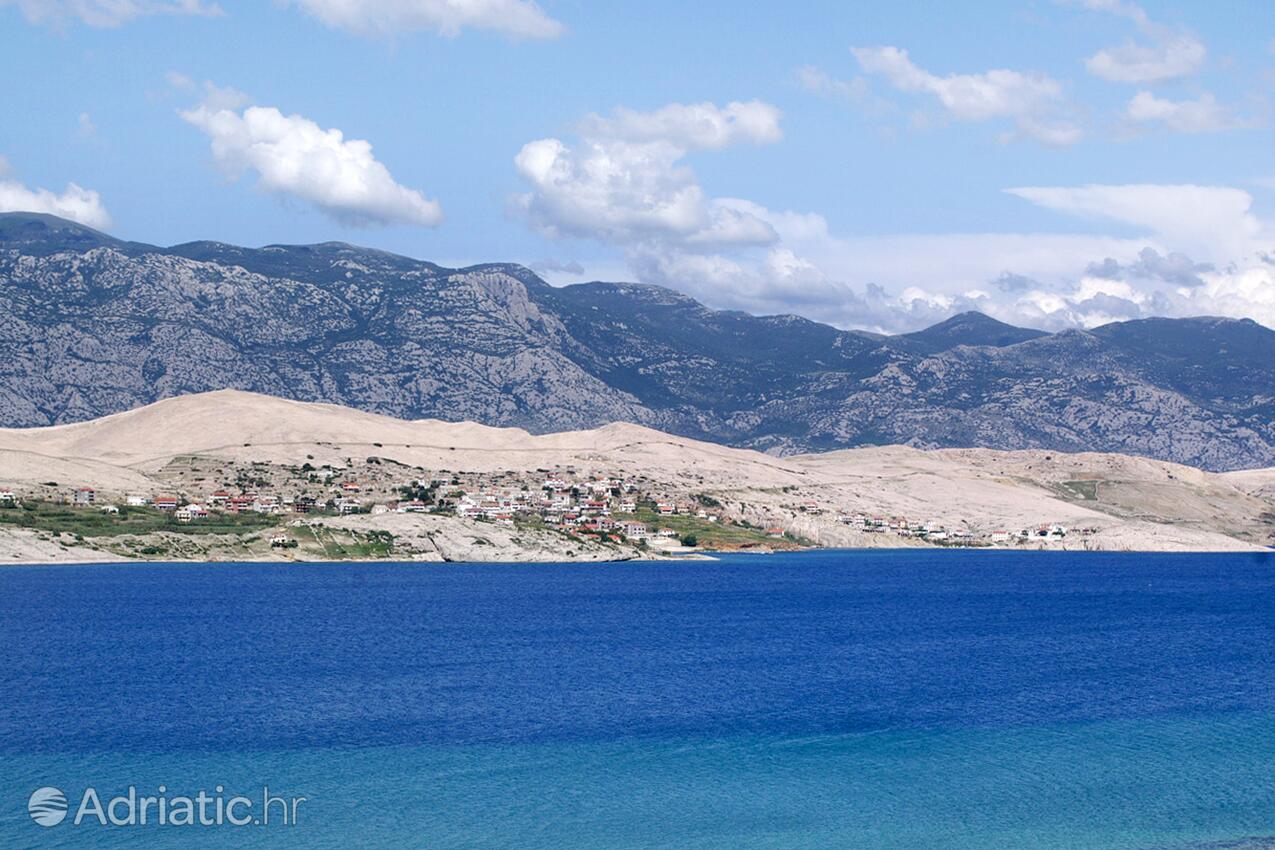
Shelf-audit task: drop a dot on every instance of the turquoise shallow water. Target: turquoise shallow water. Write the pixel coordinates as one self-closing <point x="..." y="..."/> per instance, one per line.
<point x="887" y="700"/>
<point x="1110" y="785"/>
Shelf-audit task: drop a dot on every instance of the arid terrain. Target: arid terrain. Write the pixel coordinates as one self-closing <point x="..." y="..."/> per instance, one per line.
<point x="192" y="447"/>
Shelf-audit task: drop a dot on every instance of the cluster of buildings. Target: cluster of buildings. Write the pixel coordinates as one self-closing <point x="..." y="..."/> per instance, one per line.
<point x="594" y="506"/>
<point x="606" y="506"/>
<point x="599" y="505"/>
<point x="937" y="533"/>
<point x="222" y="501"/>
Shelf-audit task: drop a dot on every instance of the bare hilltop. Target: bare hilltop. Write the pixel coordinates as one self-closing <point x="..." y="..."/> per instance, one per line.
<point x="231" y="475"/>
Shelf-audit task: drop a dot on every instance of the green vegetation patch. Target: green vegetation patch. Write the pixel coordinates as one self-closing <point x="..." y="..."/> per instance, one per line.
<point x="1085" y="490"/>
<point x="707" y="535"/>
<point x="341" y="544"/>
<point x="94" y="522"/>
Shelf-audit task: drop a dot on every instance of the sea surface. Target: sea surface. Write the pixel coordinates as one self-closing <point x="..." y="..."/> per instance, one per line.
<point x="867" y="699"/>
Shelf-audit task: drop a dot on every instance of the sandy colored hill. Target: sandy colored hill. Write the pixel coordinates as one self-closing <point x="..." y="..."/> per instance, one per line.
<point x="1132" y="503"/>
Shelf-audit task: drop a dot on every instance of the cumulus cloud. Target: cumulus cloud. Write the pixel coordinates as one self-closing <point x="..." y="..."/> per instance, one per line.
<point x="1011" y="282"/>
<point x="1048" y="280"/>
<point x="294" y="157"/>
<point x="1201" y="115"/>
<point x="1030" y="100"/>
<point x="779" y="281"/>
<point x="387" y="18"/>
<point x="1165" y="55"/>
<point x="75" y="202"/>
<point x="898" y="283"/>
<point x="625" y="182"/>
<point x="695" y="126"/>
<point x="1180" y="56"/>
<point x="1153" y="281"/>
<point x="1175" y="268"/>
<point x="1083" y="299"/>
<point x="106" y="13"/>
<point x="1173" y="250"/>
<point x="970" y="97"/>
<point x="1096" y="299"/>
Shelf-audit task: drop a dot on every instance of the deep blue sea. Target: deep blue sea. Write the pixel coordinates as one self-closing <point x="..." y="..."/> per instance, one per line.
<point x="864" y="699"/>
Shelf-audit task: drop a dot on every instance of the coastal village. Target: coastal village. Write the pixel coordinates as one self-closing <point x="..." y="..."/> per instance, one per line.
<point x="236" y="477"/>
<point x="577" y="505"/>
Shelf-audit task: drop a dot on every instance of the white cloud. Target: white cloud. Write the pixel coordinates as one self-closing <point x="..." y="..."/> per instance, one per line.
<point x="1201" y="115"/>
<point x="1247" y="293"/>
<point x="1089" y="301"/>
<point x="1217" y="221"/>
<point x="106" y="13"/>
<point x="625" y="182"/>
<point x="903" y="282"/>
<point x="778" y="281"/>
<point x="87" y="128"/>
<point x="790" y="226"/>
<point x="1180" y="56"/>
<point x="75" y="202"/>
<point x="1214" y="223"/>
<point x="817" y="80"/>
<point x="1176" y="268"/>
<point x="387" y="18"/>
<point x="1169" y="55"/>
<point x="295" y="157"/>
<point x="1031" y="100"/>
<point x="695" y="126"/>
<point x="1176" y="249"/>
<point x="179" y="81"/>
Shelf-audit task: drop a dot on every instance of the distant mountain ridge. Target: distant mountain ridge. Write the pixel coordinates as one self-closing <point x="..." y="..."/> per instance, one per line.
<point x="91" y="325"/>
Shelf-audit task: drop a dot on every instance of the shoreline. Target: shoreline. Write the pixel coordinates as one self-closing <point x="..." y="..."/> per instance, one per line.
<point x="696" y="557"/>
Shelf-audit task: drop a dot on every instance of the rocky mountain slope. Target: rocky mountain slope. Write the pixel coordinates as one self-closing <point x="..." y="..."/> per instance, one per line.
<point x="90" y="325"/>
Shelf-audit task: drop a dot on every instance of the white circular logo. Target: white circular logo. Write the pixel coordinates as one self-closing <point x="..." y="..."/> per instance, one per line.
<point x="47" y="806"/>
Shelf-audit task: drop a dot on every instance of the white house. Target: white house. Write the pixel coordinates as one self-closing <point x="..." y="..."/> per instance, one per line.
<point x="635" y="530"/>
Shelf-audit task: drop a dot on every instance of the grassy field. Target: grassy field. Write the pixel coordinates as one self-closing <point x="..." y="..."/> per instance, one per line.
<point x="92" y="522"/>
<point x="1080" y="489"/>
<point x="708" y="535"/>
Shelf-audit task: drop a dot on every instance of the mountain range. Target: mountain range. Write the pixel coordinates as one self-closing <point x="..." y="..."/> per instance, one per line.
<point x="92" y="325"/>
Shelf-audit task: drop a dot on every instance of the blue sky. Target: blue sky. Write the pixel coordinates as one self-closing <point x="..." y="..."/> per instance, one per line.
<point x="849" y="162"/>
